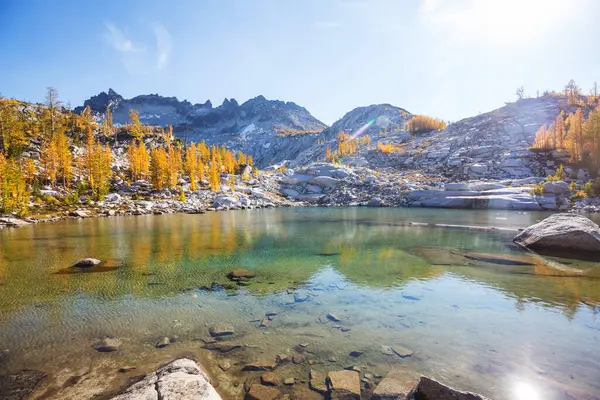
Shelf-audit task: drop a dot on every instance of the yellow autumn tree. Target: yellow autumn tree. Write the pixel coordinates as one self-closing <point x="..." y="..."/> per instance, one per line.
<point x="12" y="131"/>
<point x="158" y="168"/>
<point x="214" y="176"/>
<point x="191" y="165"/>
<point x="135" y="126"/>
<point x="14" y="193"/>
<point x="204" y="152"/>
<point x="174" y="165"/>
<point x="139" y="159"/>
<point x="229" y="163"/>
<point x="423" y="124"/>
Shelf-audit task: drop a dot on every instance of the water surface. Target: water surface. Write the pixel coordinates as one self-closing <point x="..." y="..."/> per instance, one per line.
<point x="500" y="330"/>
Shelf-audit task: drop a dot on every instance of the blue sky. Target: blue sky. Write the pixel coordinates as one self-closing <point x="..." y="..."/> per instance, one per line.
<point x="450" y="59"/>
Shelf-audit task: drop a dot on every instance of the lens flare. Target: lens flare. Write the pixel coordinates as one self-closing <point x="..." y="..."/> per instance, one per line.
<point x="362" y="129"/>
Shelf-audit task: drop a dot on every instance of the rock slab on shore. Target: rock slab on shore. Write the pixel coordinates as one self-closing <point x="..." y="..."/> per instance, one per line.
<point x="561" y="232"/>
<point x="182" y="379"/>
<point x="430" y="389"/>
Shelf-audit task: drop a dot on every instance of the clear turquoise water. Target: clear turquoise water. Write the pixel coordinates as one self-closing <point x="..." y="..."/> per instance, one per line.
<point x="501" y="330"/>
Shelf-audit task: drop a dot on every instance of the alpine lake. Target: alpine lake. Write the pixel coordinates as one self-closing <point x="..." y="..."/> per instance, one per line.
<point x="337" y="287"/>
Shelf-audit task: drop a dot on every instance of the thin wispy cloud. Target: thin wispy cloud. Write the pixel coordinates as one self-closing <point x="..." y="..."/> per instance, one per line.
<point x="164" y="45"/>
<point x="119" y="40"/>
<point x="143" y="56"/>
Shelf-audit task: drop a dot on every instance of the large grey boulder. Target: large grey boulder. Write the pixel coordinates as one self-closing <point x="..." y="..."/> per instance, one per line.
<point x="558" y="187"/>
<point x="324" y="181"/>
<point x="182" y="379"/>
<point x="225" y="201"/>
<point x="13" y="222"/>
<point x="430" y="389"/>
<point x="561" y="232"/>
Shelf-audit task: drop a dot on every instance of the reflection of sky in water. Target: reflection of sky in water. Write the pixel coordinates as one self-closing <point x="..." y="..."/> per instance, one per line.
<point x="504" y="331"/>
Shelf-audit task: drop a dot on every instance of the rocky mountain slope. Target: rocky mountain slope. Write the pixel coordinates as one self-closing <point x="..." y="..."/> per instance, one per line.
<point x="490" y="145"/>
<point x="270" y="130"/>
<point x="377" y="121"/>
<point x="493" y="145"/>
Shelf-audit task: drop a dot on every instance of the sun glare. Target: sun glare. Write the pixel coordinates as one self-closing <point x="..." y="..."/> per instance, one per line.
<point x="525" y="391"/>
<point x="507" y="21"/>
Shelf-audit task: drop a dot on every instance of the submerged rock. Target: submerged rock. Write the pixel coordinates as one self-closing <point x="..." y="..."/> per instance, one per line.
<point x="19" y="385"/>
<point x="181" y="379"/>
<point x="430" y="389"/>
<point x="107" y="345"/>
<point x="317" y="381"/>
<point x="164" y="342"/>
<point x="343" y="385"/>
<point x="502" y="259"/>
<point x="221" y="330"/>
<point x="260" y="392"/>
<point x="222" y="347"/>
<point x="270" y="379"/>
<point x="237" y="274"/>
<point x="259" y="366"/>
<point x="390" y="389"/>
<point x="561" y="232"/>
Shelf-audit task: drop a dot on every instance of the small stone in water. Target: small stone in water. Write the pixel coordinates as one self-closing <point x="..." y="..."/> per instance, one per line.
<point x="356" y="353"/>
<point x="126" y="369"/>
<point x="282" y="358"/>
<point x="289" y="381"/>
<point x="221" y="330"/>
<point x="345" y="329"/>
<point x="270" y="379"/>
<point x="300" y="297"/>
<point x="265" y="323"/>
<point x="260" y="392"/>
<point x="353" y="368"/>
<point x="259" y="366"/>
<point x="403" y="352"/>
<point x="87" y="263"/>
<point x="107" y="344"/>
<point x="298" y="358"/>
<point x="333" y="318"/>
<point x="164" y="342"/>
<point x="225" y="364"/>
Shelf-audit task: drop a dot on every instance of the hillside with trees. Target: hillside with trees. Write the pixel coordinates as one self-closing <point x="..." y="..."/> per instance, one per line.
<point x="54" y="156"/>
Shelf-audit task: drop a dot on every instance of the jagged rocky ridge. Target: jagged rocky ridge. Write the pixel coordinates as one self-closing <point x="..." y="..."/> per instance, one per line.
<point x="270" y="130"/>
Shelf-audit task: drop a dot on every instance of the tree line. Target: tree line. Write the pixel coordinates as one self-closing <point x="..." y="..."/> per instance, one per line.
<point x="51" y="145"/>
<point x="577" y="132"/>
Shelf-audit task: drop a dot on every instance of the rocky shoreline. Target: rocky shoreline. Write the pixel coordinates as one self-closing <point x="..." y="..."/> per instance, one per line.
<point x="185" y="379"/>
<point x="319" y="184"/>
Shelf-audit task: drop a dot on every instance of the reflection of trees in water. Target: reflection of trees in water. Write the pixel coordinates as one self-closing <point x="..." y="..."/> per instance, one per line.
<point x="540" y="284"/>
<point x="160" y="255"/>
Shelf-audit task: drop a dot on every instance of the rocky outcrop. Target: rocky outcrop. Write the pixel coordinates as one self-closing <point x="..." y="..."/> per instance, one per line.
<point x="561" y="232"/>
<point x="181" y="379"/>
